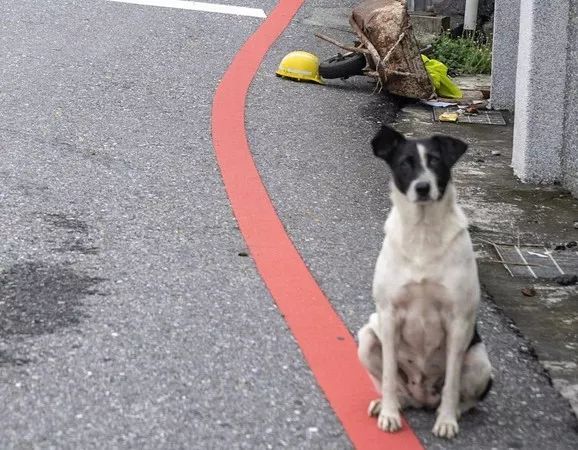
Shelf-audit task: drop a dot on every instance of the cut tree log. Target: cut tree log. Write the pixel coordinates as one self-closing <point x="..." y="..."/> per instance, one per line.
<point x="384" y="28"/>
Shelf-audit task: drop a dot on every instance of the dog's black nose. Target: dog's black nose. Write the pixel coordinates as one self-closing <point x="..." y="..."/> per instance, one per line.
<point x="422" y="188"/>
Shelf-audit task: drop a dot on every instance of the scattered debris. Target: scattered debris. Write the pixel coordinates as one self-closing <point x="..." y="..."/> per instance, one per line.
<point x="539" y="255"/>
<point x="576" y="224"/>
<point x="311" y="433"/>
<point x="566" y="280"/>
<point x="439" y="104"/>
<point x="243" y="254"/>
<point x="448" y="117"/>
<point x="472" y="110"/>
<point x="524" y="349"/>
<point x="496" y="153"/>
<point x="566" y="245"/>
<point x="484" y="116"/>
<point x="529" y="291"/>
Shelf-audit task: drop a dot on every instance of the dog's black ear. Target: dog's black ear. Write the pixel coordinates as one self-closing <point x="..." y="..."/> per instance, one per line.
<point x="451" y="149"/>
<point x="385" y="142"/>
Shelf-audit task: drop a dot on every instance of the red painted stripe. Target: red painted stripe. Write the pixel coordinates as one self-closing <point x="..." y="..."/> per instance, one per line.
<point x="325" y="341"/>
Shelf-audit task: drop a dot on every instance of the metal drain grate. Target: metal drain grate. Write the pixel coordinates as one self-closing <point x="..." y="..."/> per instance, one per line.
<point x="536" y="262"/>
<point x="484" y="117"/>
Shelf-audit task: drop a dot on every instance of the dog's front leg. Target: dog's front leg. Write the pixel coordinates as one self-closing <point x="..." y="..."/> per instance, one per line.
<point x="446" y="424"/>
<point x="389" y="418"/>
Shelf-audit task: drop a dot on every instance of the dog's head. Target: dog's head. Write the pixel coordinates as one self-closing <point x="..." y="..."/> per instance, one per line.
<point x="421" y="167"/>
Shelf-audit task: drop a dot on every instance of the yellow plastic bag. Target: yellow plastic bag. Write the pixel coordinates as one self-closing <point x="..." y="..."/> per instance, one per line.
<point x="438" y="73"/>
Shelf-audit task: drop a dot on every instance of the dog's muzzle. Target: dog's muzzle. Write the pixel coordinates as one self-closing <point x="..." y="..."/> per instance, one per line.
<point x="423" y="189"/>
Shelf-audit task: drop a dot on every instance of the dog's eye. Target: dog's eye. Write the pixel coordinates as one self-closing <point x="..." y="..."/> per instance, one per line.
<point x="406" y="164"/>
<point x="433" y="160"/>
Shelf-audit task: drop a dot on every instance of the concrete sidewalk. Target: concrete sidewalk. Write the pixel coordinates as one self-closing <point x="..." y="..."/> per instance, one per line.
<point x="529" y="226"/>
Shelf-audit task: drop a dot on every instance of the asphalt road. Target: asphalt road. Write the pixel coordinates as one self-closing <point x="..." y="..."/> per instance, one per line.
<point x="128" y="319"/>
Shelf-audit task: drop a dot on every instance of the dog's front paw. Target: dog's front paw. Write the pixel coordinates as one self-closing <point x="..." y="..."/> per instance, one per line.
<point x="389" y="421"/>
<point x="446" y="427"/>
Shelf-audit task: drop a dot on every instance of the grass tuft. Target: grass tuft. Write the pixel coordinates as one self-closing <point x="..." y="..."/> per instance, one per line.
<point x="463" y="55"/>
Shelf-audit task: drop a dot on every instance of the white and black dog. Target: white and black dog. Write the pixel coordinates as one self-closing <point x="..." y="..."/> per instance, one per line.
<point x="421" y="348"/>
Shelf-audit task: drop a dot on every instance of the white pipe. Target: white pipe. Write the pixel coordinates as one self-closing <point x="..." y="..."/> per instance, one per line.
<point x="471" y="15"/>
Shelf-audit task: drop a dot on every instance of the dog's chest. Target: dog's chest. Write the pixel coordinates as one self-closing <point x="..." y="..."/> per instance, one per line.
<point x="420" y="316"/>
<point x="420" y="293"/>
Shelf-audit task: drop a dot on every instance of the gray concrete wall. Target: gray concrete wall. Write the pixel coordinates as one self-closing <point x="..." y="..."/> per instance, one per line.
<point x="570" y="148"/>
<point x="505" y="54"/>
<point x="541" y="91"/>
<point x="457" y="7"/>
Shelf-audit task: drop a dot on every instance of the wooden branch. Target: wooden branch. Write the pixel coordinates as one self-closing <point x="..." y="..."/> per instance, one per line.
<point x="372" y="50"/>
<point x="378" y="86"/>
<point x="340" y="45"/>
<point x="389" y="53"/>
<point x="397" y="72"/>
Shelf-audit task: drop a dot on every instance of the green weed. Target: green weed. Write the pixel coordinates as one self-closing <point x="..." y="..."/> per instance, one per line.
<point x="463" y="55"/>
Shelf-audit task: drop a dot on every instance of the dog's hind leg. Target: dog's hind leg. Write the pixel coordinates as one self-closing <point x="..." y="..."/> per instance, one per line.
<point x="369" y="350"/>
<point x="369" y="353"/>
<point x="476" y="378"/>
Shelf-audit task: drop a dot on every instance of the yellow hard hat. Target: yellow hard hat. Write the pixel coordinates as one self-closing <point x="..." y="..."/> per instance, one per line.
<point x="300" y="66"/>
